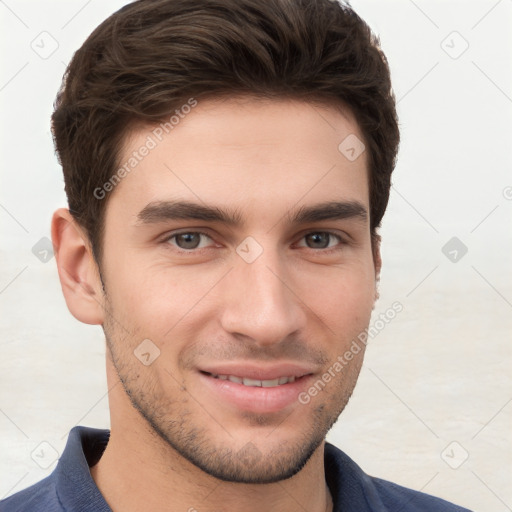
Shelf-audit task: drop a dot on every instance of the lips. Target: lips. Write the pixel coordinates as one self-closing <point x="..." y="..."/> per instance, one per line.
<point x="257" y="389"/>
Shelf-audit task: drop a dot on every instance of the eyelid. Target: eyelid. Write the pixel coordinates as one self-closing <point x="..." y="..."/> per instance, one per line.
<point x="184" y="230"/>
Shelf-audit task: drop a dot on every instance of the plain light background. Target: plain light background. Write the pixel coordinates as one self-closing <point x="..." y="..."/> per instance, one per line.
<point x="432" y="409"/>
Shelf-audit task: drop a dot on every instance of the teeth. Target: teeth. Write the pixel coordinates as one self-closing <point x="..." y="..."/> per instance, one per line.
<point x="254" y="382"/>
<point x="270" y="383"/>
<point x="251" y="382"/>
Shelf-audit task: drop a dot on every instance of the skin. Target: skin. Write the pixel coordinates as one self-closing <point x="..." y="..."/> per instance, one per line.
<point x="174" y="446"/>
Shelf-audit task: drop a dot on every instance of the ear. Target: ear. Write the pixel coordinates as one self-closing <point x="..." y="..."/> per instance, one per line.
<point x="78" y="272"/>
<point x="377" y="261"/>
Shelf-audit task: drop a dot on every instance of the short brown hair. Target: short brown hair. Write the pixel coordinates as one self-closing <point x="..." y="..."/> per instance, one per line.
<point x="151" y="56"/>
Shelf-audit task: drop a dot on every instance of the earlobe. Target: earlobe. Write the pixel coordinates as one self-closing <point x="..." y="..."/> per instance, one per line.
<point x="78" y="272"/>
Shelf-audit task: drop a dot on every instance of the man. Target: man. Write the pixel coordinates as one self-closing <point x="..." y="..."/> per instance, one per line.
<point x="227" y="165"/>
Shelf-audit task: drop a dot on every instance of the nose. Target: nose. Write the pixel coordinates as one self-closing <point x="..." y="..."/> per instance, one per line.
<point x="259" y="302"/>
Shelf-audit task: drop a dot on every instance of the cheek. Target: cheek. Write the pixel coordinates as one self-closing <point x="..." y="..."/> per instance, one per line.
<point x="156" y="301"/>
<point x="342" y="297"/>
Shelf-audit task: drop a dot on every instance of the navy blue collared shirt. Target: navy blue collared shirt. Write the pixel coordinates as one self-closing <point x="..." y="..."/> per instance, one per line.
<point x="70" y="487"/>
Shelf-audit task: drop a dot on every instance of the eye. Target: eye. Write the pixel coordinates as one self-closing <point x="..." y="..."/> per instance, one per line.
<point x="189" y="240"/>
<point x="321" y="240"/>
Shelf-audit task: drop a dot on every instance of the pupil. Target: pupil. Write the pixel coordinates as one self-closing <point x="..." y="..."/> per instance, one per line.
<point x="190" y="240"/>
<point x="320" y="238"/>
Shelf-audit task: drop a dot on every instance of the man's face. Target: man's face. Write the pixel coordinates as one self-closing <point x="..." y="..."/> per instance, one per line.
<point x="270" y="295"/>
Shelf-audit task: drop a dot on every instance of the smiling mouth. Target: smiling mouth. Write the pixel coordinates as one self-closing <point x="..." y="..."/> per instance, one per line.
<point x="245" y="381"/>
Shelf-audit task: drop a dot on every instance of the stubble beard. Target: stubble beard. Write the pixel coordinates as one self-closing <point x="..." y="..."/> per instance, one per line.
<point x="172" y="420"/>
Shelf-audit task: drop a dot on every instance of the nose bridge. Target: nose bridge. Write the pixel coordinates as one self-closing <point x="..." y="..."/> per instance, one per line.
<point x="261" y="303"/>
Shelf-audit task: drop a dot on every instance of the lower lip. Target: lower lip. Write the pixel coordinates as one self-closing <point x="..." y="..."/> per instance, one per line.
<point x="254" y="398"/>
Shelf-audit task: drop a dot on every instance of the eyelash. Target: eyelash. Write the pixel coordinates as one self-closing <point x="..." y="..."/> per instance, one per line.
<point x="329" y="250"/>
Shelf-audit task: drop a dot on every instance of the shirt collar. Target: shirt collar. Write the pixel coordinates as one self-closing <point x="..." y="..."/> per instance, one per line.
<point x="75" y="486"/>
<point x="352" y="490"/>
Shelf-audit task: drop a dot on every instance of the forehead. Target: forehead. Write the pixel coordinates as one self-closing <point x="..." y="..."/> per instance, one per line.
<point x="245" y="152"/>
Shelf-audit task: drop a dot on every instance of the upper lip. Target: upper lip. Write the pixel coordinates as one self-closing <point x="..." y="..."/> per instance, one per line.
<point x="259" y="372"/>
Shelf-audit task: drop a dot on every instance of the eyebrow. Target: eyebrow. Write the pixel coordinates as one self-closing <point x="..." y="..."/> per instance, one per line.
<point x="162" y="211"/>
